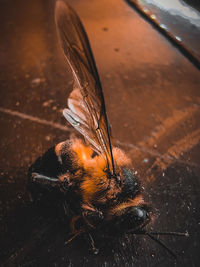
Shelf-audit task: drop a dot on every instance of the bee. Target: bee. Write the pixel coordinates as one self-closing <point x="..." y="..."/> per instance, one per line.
<point x="97" y="181"/>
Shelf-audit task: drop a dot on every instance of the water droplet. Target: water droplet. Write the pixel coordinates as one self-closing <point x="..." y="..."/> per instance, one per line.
<point x="178" y="38"/>
<point x="48" y="138"/>
<point x="153" y="16"/>
<point x="76" y="123"/>
<point x="19" y="196"/>
<point x="163" y="26"/>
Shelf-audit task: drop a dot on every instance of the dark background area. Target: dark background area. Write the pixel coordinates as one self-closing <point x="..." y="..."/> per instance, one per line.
<point x="193" y="3"/>
<point x="152" y="97"/>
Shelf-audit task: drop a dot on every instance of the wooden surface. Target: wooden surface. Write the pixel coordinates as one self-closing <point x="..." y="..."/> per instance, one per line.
<point x="152" y="97"/>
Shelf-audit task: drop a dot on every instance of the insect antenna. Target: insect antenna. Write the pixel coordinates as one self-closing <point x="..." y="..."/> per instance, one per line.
<point x="162" y="245"/>
<point x="186" y="234"/>
<point x="74" y="236"/>
<point x="151" y="236"/>
<point x="92" y="243"/>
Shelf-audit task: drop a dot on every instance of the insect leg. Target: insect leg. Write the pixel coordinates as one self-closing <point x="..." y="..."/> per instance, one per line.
<point x="40" y="184"/>
<point x="43" y="173"/>
<point x="74" y="236"/>
<point x="162" y="245"/>
<point x="43" y="179"/>
<point x="92" y="243"/>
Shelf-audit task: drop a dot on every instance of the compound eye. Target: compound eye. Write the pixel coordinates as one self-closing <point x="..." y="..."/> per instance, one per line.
<point x="139" y="214"/>
<point x="133" y="218"/>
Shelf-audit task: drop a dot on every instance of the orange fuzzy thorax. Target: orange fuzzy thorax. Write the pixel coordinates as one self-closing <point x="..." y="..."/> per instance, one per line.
<point x="83" y="152"/>
<point x="96" y="180"/>
<point x="85" y="156"/>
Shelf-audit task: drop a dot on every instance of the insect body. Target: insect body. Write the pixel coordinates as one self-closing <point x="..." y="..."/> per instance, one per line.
<point x="100" y="178"/>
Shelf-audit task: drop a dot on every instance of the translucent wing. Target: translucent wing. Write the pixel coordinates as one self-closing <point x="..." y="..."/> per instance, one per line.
<point x="86" y="108"/>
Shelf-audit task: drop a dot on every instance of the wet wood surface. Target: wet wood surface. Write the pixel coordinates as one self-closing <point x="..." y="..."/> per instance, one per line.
<point x="152" y="97"/>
